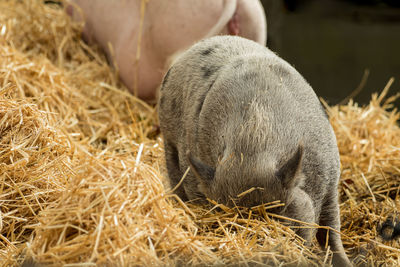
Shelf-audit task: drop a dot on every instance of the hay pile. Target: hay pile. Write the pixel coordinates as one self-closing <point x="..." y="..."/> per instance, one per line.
<point x="82" y="171"/>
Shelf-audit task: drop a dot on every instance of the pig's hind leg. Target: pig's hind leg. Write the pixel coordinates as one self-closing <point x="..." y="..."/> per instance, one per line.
<point x="174" y="172"/>
<point x="330" y="216"/>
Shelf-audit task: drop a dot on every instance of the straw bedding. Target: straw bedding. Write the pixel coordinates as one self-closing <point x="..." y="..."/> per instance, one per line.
<point x="82" y="176"/>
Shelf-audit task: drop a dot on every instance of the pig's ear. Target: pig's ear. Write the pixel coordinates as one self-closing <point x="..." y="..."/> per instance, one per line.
<point x="201" y="170"/>
<point x="289" y="172"/>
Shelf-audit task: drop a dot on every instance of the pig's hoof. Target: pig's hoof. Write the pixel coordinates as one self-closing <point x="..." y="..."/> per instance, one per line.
<point x="390" y="229"/>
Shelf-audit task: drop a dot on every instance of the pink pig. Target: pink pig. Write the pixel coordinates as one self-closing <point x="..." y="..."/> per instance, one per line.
<point x="169" y="27"/>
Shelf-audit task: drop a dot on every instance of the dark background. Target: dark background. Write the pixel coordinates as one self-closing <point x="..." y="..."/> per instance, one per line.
<point x="333" y="42"/>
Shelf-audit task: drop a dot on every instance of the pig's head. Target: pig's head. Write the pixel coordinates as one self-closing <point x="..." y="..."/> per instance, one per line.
<point x="249" y="181"/>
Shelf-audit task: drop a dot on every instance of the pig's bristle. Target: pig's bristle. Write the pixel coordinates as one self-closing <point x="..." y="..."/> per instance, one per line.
<point x="82" y="168"/>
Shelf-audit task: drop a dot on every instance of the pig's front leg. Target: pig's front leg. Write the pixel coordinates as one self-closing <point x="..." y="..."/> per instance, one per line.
<point x="301" y="208"/>
<point x="330" y="216"/>
<point x="174" y="172"/>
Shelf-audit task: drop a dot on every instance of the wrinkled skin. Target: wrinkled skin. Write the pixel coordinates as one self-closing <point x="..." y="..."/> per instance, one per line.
<point x="241" y="117"/>
<point x="169" y="27"/>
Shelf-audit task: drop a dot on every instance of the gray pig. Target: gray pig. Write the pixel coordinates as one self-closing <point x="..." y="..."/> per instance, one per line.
<point x="242" y="118"/>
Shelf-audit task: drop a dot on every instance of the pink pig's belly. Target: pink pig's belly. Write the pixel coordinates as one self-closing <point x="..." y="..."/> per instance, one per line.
<point x="169" y="26"/>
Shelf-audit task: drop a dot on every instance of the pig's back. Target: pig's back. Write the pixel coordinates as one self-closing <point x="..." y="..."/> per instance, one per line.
<point x="189" y="80"/>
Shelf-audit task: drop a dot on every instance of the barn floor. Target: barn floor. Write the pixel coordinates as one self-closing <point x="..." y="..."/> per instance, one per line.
<point x="82" y="168"/>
